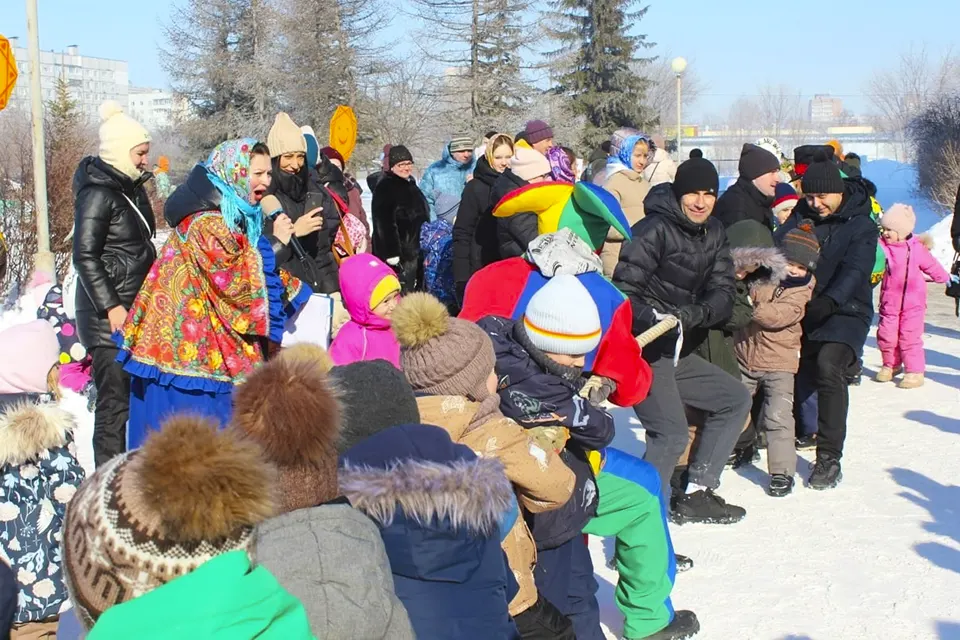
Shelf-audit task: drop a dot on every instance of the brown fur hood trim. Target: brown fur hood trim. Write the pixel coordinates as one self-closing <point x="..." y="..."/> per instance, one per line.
<point x="927" y="240"/>
<point x="473" y="494"/>
<point x="202" y="484"/>
<point x="27" y="430"/>
<point x="291" y="408"/>
<point x="773" y="265"/>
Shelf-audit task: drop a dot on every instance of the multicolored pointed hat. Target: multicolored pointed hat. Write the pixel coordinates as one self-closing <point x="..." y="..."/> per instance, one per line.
<point x="584" y="208"/>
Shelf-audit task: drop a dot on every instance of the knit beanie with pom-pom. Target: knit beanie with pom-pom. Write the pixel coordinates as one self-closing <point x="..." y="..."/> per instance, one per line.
<point x="289" y="407"/>
<point x="149" y="516"/>
<point x="900" y="218"/>
<point x="562" y="318"/>
<point x="441" y="355"/>
<point x="119" y="133"/>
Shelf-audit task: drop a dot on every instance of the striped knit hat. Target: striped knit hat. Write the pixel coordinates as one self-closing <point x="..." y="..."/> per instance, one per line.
<point x="461" y="142"/>
<point x="562" y="318"/>
<point x="801" y="246"/>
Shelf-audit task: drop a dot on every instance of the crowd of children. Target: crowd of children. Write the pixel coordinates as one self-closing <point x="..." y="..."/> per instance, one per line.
<point x="435" y="473"/>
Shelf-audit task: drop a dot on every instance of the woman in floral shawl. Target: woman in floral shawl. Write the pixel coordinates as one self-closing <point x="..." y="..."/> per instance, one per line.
<point x="214" y="304"/>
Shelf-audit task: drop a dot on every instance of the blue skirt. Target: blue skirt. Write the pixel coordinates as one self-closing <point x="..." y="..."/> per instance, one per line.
<point x="152" y="403"/>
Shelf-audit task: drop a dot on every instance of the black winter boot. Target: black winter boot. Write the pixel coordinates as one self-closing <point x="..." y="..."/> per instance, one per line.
<point x="684" y="625"/>
<point x="706" y="507"/>
<point x="684" y="563"/>
<point x="826" y="473"/>
<point x="807" y="442"/>
<point x="780" y="485"/>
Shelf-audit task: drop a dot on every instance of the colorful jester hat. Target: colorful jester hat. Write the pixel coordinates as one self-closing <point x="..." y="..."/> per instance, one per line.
<point x="586" y="209"/>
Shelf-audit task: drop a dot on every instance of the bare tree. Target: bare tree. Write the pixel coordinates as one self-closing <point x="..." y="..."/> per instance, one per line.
<point x="935" y="138"/>
<point x="662" y="90"/>
<point x="900" y="94"/>
<point x="17" y="221"/>
<point x="780" y="106"/>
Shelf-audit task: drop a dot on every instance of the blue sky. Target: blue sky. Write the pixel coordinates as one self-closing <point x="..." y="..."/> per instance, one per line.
<point x="814" y="46"/>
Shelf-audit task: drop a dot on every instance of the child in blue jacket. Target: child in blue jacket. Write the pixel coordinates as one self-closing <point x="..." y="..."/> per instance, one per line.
<point x="539" y="367"/>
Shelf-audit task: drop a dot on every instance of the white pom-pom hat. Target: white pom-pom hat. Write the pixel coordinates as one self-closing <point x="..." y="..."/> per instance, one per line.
<point x="562" y="318"/>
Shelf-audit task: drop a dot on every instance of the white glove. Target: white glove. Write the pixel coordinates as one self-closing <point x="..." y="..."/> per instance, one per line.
<point x="393" y="261"/>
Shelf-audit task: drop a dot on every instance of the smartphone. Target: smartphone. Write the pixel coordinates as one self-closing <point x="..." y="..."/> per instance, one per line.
<point x="314" y="199"/>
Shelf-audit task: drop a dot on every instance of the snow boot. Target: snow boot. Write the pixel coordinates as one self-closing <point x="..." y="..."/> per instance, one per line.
<point x="886" y="374"/>
<point x="854" y="374"/>
<point x="807" y="442"/>
<point x="705" y="506"/>
<point x="684" y="563"/>
<point x="911" y="381"/>
<point x="684" y="625"/>
<point x="780" y="485"/>
<point x="826" y="473"/>
<point x="743" y="457"/>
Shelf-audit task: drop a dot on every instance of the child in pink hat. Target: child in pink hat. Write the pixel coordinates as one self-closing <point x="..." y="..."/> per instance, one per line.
<point x="903" y="297"/>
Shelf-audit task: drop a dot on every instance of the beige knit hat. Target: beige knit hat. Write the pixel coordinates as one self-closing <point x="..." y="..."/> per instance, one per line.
<point x="285" y="137"/>
<point x="529" y="164"/>
<point x="119" y="133"/>
<point x="441" y="355"/>
<point x="154" y="514"/>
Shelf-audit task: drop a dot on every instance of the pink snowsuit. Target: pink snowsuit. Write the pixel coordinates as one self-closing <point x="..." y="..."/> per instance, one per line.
<point x="903" y="302"/>
<point x="366" y="336"/>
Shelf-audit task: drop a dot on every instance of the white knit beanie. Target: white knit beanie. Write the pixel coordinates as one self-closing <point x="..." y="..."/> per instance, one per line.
<point x="562" y="318"/>
<point x="119" y="133"/>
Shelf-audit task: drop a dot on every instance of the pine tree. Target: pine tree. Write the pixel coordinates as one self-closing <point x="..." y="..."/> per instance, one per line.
<point x="222" y="58"/>
<point x="597" y="64"/>
<point x="68" y="140"/>
<point x="481" y="44"/>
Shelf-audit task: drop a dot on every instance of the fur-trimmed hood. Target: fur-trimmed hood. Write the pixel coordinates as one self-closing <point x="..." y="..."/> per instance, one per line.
<point x="472" y="495"/>
<point x="27" y="430"/>
<point x="772" y="263"/>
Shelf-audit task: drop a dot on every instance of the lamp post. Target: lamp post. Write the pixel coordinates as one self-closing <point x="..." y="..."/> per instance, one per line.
<point x="679" y="65"/>
<point x="45" y="262"/>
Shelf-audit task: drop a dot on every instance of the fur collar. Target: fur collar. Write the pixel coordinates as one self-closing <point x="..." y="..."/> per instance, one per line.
<point x="773" y="265"/>
<point x="473" y="494"/>
<point x="27" y="430"/>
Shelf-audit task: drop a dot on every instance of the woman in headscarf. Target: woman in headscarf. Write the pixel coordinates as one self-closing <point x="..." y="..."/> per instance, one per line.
<point x="630" y="153"/>
<point x="214" y="304"/>
<point x="475" y="242"/>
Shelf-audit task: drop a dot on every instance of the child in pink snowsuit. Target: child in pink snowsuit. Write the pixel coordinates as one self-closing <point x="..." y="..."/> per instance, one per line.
<point x="903" y="297"/>
<point x="370" y="291"/>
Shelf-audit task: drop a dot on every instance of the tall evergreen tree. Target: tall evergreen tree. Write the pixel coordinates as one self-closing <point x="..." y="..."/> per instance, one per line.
<point x="222" y="57"/>
<point x="597" y="66"/>
<point x="480" y="42"/>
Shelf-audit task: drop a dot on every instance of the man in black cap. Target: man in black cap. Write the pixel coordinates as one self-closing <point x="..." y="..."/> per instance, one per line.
<point x="751" y="196"/>
<point x="678" y="264"/>
<point x="838" y="317"/>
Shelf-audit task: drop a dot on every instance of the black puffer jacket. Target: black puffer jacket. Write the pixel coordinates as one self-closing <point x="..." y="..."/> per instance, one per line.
<point x="743" y="201"/>
<point x="955" y="224"/>
<point x="848" y="251"/>
<point x="516" y="232"/>
<point x="399" y="210"/>
<point x="112" y="245"/>
<point x="475" y="242"/>
<point x="672" y="263"/>
<point x="319" y="270"/>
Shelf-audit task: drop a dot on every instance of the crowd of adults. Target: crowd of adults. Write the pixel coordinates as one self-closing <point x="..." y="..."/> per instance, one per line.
<point x="633" y="241"/>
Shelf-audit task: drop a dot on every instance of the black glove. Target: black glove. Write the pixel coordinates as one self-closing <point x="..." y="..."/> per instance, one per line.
<point x="691" y="316"/>
<point x="819" y="309"/>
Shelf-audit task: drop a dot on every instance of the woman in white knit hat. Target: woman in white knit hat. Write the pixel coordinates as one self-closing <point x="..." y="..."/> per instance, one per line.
<point x="113" y="252"/>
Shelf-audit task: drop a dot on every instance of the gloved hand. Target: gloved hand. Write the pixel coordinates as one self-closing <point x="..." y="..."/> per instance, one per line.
<point x="819" y="309"/>
<point x="691" y="316"/>
<point x="598" y="390"/>
<point x="954" y="278"/>
<point x="393" y="261"/>
<point x="550" y="438"/>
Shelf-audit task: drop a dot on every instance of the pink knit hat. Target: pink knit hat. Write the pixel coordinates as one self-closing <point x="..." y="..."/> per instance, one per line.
<point x="27" y="353"/>
<point x="899" y="218"/>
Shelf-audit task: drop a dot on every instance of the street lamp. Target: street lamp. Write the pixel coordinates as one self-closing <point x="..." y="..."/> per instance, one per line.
<point x="679" y="65"/>
<point x="45" y="260"/>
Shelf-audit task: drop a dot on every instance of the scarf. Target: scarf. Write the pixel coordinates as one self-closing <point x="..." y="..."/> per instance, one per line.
<point x="228" y="169"/>
<point x="621" y="151"/>
<point x="560" y="165"/>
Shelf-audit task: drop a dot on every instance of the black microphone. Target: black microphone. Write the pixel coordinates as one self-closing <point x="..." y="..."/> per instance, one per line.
<point x="272" y="205"/>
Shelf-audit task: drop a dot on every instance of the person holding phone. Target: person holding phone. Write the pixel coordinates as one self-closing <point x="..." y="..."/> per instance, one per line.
<point x="308" y="205"/>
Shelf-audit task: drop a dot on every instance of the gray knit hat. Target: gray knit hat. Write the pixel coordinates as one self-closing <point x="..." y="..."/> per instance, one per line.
<point x="461" y="142"/>
<point x="441" y="355"/>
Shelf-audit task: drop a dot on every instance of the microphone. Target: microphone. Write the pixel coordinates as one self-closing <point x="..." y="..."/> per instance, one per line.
<point x="271" y="204"/>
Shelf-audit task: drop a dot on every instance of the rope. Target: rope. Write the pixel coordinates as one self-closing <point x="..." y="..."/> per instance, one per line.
<point x="645" y="338"/>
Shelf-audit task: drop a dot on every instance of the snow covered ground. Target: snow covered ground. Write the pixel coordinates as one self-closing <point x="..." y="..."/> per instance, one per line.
<point x="878" y="557"/>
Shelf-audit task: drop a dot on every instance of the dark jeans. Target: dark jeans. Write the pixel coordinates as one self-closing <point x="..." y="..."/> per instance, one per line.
<point x="699" y="384"/>
<point x="543" y="621"/>
<point x="827" y="364"/>
<point x="113" y="405"/>
<point x="564" y="576"/>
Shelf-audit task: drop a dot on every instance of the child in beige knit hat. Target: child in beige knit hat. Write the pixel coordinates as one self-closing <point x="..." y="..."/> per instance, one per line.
<point x="451" y="361"/>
